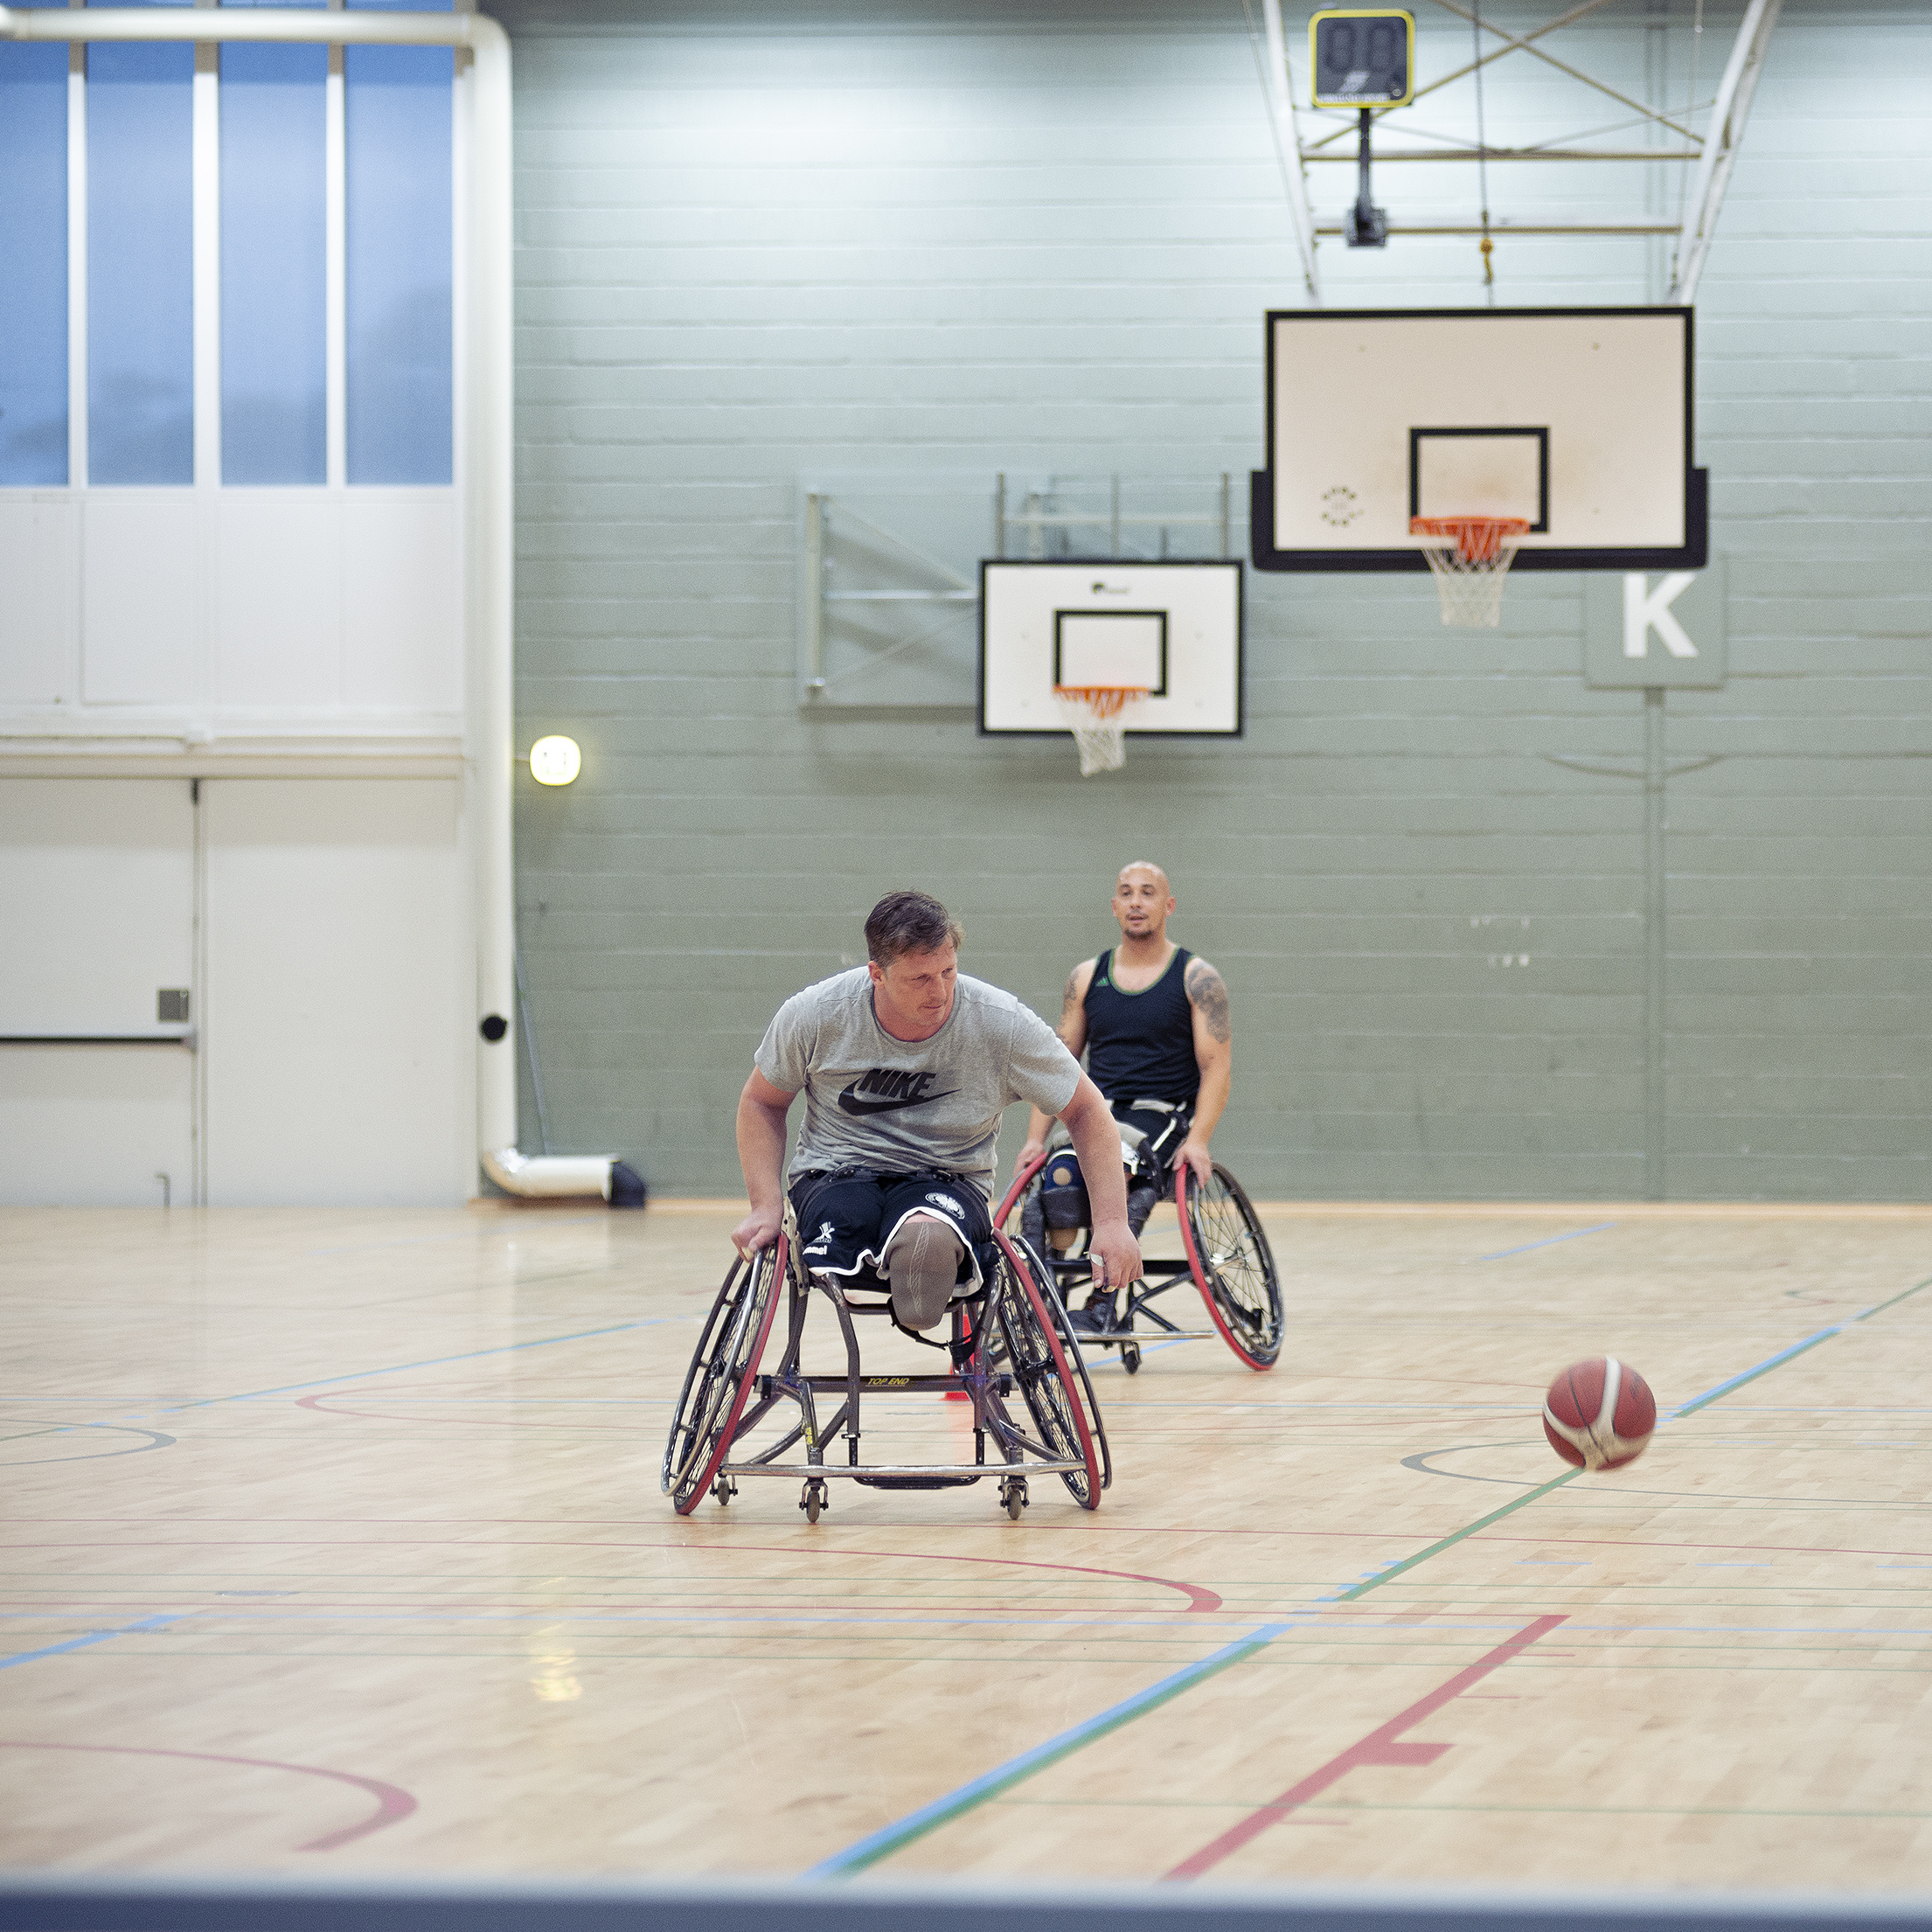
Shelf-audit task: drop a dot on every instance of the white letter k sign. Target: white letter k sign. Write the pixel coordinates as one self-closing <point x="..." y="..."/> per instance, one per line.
<point x="1646" y="610"/>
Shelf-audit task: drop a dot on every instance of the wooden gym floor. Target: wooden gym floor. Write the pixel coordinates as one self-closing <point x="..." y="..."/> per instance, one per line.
<point x="334" y="1543"/>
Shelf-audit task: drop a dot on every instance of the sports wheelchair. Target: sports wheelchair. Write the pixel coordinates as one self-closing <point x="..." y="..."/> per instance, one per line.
<point x="1224" y="1251"/>
<point x="1008" y="1335"/>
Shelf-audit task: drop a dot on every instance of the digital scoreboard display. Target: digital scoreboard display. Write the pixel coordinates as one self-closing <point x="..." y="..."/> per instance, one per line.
<point x="1362" y="57"/>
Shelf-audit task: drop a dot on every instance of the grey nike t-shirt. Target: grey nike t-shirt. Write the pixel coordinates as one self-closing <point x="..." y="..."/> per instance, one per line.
<point x="901" y="1105"/>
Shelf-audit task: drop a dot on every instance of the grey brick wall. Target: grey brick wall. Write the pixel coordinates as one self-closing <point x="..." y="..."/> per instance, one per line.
<point x="756" y="246"/>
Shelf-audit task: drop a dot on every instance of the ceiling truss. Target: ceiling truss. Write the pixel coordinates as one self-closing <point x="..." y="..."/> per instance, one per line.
<point x="1302" y="141"/>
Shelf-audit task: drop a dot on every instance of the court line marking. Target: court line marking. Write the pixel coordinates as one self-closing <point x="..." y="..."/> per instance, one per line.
<point x="439" y="1361"/>
<point x="1575" y="1235"/>
<point x="1382" y="1747"/>
<point x="393" y="1803"/>
<point x="1697" y="1403"/>
<point x="1199" y="1596"/>
<point x="893" y="1837"/>
<point x="92" y="1637"/>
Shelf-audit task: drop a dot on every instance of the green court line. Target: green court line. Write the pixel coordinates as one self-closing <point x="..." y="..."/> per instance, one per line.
<point x="1895" y="1302"/>
<point x="1690" y="1408"/>
<point x="1435" y="1549"/>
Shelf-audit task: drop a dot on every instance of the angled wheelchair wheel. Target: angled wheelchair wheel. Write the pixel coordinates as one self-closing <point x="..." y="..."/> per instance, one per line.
<point x="1037" y="1347"/>
<point x="721" y="1376"/>
<point x="1233" y="1267"/>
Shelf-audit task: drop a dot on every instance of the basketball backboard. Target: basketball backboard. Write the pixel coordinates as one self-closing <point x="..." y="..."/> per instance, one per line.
<point x="1171" y="629"/>
<point x="1577" y="420"/>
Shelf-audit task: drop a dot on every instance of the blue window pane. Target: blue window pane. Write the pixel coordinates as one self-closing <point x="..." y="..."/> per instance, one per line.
<point x="33" y="264"/>
<point x="273" y="257"/>
<point x="140" y="263"/>
<point x="399" y="219"/>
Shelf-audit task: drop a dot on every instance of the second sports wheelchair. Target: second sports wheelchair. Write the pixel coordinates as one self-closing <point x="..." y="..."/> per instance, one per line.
<point x="1009" y="1336"/>
<point x="1225" y="1251"/>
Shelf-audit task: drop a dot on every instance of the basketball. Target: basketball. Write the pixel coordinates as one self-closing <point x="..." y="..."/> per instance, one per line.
<point x="1599" y="1414"/>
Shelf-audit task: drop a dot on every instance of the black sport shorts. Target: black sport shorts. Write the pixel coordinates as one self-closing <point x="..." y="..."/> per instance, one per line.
<point x="847" y="1217"/>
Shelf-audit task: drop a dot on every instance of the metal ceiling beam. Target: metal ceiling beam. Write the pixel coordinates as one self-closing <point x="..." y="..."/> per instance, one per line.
<point x="1521" y="44"/>
<point x="1721" y="141"/>
<point x="1288" y="145"/>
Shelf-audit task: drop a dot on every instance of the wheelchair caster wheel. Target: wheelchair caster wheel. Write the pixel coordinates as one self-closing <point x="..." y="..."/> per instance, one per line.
<point x="724" y="1489"/>
<point x="1131" y="1357"/>
<point x="814" y="1499"/>
<point x="1013" y="1496"/>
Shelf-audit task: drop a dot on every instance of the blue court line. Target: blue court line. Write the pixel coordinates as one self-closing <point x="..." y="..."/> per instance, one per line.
<point x="1764" y="1367"/>
<point x="881" y="1844"/>
<point x="438" y="1361"/>
<point x="94" y="1637"/>
<point x="1575" y="1234"/>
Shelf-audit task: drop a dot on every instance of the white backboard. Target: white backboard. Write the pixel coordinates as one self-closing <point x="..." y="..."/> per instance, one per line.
<point x="1173" y="630"/>
<point x="1578" y="421"/>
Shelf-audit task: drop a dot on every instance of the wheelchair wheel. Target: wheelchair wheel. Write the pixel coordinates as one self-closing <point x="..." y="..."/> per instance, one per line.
<point x="1045" y="1360"/>
<point x="721" y="1377"/>
<point x="1232" y="1265"/>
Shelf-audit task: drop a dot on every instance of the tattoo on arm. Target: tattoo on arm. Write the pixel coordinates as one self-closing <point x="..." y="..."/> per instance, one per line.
<point x="1209" y="994"/>
<point x="1070" y="1000"/>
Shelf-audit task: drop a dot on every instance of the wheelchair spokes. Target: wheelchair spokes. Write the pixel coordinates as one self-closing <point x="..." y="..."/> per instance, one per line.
<point x="1005" y="1333"/>
<point x="713" y="1401"/>
<point x="1043" y="1357"/>
<point x="1232" y="1266"/>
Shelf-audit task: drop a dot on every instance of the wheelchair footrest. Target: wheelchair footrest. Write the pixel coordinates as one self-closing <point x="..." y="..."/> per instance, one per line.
<point x="916" y="1482"/>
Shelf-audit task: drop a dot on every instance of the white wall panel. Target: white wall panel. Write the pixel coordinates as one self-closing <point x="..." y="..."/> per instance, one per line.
<point x="337" y="994"/>
<point x="97" y="884"/>
<point x="37" y="597"/>
<point x="278" y="599"/>
<point x="95" y="1126"/>
<point x="238" y="609"/>
<point x="402" y="643"/>
<point x="141" y="598"/>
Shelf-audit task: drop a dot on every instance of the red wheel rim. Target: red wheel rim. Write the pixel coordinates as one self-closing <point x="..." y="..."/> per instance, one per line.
<point x="1013" y="1193"/>
<point x="1183" y="1174"/>
<point x="703" y="1485"/>
<point x="1050" y="1329"/>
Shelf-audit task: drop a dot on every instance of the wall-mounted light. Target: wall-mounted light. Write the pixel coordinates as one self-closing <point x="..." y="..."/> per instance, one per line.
<point x="555" y="760"/>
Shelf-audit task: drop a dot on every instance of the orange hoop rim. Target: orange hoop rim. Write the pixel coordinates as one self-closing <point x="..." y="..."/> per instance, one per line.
<point x="1103" y="700"/>
<point x="1479" y="539"/>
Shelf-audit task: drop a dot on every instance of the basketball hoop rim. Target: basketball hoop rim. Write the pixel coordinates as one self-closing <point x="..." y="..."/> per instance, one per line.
<point x="1104" y="701"/>
<point x="1477" y="540"/>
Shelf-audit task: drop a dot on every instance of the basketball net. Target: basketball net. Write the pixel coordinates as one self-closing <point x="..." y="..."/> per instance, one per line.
<point x="1095" y="713"/>
<point x="1470" y="558"/>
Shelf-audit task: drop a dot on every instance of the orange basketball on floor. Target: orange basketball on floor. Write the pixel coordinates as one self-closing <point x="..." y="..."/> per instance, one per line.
<point x="1598" y="1413"/>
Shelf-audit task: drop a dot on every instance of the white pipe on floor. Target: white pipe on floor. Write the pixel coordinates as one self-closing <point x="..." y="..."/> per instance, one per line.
<point x="487" y="424"/>
<point x="548" y="1174"/>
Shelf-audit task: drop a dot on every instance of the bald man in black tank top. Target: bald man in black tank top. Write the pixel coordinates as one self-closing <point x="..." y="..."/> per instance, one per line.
<point x="1152" y="1020"/>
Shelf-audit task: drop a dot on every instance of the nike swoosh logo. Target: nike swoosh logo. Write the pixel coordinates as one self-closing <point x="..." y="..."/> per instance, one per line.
<point x="849" y="1103"/>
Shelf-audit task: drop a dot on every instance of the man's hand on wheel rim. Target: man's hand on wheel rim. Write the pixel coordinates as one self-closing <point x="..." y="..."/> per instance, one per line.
<point x="1197" y="1157"/>
<point x="757" y="1231"/>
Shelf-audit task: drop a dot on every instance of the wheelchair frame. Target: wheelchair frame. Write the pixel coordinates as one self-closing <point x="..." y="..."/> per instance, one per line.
<point x="1010" y="1333"/>
<point x="1205" y="1264"/>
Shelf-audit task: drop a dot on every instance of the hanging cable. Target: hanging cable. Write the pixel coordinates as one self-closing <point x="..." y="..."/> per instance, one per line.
<point x="1483" y="154"/>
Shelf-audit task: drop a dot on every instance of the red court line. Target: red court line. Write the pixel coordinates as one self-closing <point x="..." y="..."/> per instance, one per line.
<point x="1380" y="1747"/>
<point x="393" y="1803"/>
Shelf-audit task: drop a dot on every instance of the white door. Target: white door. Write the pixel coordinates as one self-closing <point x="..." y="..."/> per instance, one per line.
<point x="97" y="990"/>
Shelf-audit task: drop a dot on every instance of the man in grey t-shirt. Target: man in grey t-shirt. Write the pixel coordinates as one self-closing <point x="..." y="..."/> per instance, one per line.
<point x="906" y="1067"/>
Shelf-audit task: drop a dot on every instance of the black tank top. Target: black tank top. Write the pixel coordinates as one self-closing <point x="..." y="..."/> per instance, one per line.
<point x="1141" y="1045"/>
